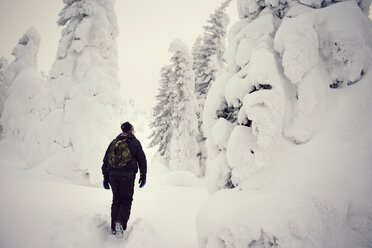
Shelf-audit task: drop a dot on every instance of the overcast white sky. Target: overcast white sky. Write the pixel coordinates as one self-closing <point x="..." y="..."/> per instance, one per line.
<point x="146" y="29"/>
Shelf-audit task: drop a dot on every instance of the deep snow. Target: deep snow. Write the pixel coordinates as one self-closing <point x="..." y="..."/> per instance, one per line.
<point x="42" y="210"/>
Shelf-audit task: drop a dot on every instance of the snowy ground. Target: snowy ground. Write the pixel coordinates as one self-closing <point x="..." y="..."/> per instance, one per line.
<point x="41" y="210"/>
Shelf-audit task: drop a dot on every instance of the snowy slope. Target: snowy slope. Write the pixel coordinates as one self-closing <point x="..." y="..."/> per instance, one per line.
<point x="41" y="210"/>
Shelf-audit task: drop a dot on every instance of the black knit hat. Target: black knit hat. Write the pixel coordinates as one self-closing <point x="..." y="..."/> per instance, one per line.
<point x="126" y="127"/>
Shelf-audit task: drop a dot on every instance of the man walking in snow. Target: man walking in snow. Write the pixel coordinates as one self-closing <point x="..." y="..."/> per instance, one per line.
<point x="121" y="162"/>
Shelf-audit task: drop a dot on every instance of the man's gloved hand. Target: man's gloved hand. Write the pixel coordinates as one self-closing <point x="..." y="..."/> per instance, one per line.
<point x="142" y="180"/>
<point x="106" y="185"/>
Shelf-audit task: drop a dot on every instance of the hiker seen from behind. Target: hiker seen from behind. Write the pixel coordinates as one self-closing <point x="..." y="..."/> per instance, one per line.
<point x="121" y="162"/>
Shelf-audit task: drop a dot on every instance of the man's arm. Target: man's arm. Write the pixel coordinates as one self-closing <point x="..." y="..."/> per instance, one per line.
<point x="141" y="159"/>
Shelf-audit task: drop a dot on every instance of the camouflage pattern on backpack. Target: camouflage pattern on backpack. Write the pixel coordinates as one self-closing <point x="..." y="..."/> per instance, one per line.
<point x="119" y="154"/>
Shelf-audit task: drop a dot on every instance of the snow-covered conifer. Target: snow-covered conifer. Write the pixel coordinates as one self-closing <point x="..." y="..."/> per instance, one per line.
<point x="251" y="93"/>
<point x="208" y="51"/>
<point x="85" y="95"/>
<point x="247" y="103"/>
<point x="251" y="8"/>
<point x="87" y="51"/>
<point x="285" y="59"/>
<point x="21" y="88"/>
<point x="25" y="56"/>
<point x="208" y="60"/>
<point x="3" y="65"/>
<point x="162" y="114"/>
<point x="25" y="53"/>
<point x="184" y="149"/>
<point x="195" y="51"/>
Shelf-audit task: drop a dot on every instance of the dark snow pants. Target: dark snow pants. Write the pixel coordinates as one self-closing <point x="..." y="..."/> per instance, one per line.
<point x="122" y="190"/>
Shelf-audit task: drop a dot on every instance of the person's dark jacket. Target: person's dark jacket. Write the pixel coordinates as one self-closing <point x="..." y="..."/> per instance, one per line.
<point x="138" y="159"/>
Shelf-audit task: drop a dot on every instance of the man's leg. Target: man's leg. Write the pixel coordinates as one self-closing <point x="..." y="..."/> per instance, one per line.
<point x="126" y="198"/>
<point x="115" y="206"/>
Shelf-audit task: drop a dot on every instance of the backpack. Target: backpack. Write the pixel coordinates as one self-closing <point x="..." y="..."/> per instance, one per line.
<point x="119" y="154"/>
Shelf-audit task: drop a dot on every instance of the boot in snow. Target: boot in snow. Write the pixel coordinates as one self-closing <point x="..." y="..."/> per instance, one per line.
<point x="119" y="231"/>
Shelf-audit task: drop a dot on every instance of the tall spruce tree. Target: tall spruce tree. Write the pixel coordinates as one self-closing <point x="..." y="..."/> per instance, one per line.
<point x="208" y="59"/>
<point x="3" y="66"/>
<point x="162" y="113"/>
<point x="184" y="149"/>
<point x="196" y="53"/>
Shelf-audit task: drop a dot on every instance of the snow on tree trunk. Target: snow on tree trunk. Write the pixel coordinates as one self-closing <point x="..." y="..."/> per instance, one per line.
<point x="83" y="117"/>
<point x="21" y="88"/>
<point x="286" y="63"/>
<point x="183" y="144"/>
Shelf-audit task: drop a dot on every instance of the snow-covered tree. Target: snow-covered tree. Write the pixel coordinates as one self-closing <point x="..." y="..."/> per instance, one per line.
<point x="162" y="114"/>
<point x="87" y="51"/>
<point x="3" y="66"/>
<point x="184" y="148"/>
<point x="208" y="51"/>
<point x="21" y="88"/>
<point x="244" y="110"/>
<point x="276" y="99"/>
<point x="208" y="60"/>
<point x="83" y="113"/>
<point x="195" y="51"/>
<point x="251" y="92"/>
<point x="25" y="53"/>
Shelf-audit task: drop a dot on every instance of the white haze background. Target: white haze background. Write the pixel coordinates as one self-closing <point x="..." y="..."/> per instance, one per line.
<point x="146" y="29"/>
